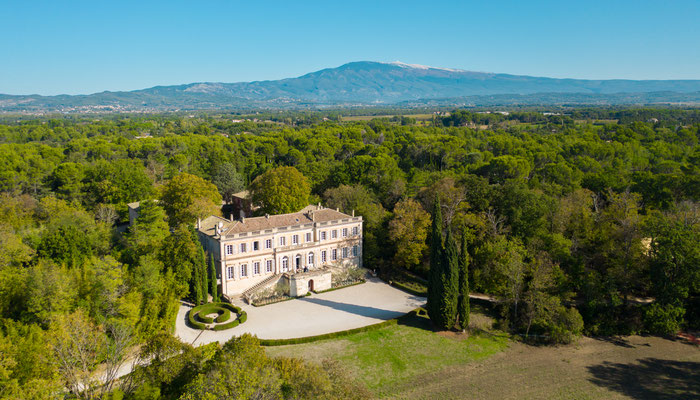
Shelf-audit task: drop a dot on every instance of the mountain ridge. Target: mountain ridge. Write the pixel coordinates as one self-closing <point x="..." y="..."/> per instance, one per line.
<point x="359" y="83"/>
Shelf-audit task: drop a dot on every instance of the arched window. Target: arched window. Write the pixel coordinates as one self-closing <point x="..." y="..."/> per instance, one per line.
<point x="285" y="264"/>
<point x="311" y="260"/>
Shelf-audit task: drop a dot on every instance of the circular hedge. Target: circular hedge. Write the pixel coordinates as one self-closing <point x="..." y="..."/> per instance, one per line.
<point x="199" y="317"/>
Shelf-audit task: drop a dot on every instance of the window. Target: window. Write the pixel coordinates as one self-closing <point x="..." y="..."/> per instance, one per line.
<point x="285" y="264"/>
<point x="268" y="244"/>
<point x="323" y="256"/>
<point x="345" y="252"/>
<point x="308" y="237"/>
<point x="354" y="231"/>
<point x="334" y="234"/>
<point x="244" y="270"/>
<point x="256" y="268"/>
<point x="283" y="241"/>
<point x="268" y="266"/>
<point x="256" y="246"/>
<point x="345" y="232"/>
<point x="230" y="272"/>
<point x="334" y="254"/>
<point x="295" y="239"/>
<point x="311" y="259"/>
<point x="354" y="250"/>
<point x="229" y="249"/>
<point x="323" y="235"/>
<point x="243" y="247"/>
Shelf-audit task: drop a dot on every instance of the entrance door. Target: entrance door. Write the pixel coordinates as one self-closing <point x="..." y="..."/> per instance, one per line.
<point x="297" y="262"/>
<point x="311" y="285"/>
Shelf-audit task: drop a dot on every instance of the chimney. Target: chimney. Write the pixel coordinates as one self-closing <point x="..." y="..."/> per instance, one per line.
<point x="267" y="216"/>
<point x="231" y="217"/>
<point x="337" y="209"/>
<point x="242" y="219"/>
<point x="353" y="212"/>
<point x="199" y="223"/>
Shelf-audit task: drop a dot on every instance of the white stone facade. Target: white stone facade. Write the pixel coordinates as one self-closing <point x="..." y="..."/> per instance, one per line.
<point x="248" y="251"/>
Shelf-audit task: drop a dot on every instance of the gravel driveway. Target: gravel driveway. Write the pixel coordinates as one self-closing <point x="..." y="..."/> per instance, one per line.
<point x="352" y="307"/>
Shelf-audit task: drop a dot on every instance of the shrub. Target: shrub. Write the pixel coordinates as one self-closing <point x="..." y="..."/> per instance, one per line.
<point x="193" y="323"/>
<point x="229" y="325"/>
<point x="566" y="326"/>
<point x="225" y="316"/>
<point x="663" y="319"/>
<point x="243" y="317"/>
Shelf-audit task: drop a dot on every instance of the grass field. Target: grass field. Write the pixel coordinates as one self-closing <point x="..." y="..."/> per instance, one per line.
<point x="409" y="361"/>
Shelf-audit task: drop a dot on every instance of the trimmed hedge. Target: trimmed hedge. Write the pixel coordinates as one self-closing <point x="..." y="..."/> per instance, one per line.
<point x="197" y="316"/>
<point x="229" y="325"/>
<point x="407" y="289"/>
<point x="332" y="335"/>
<point x="223" y="317"/>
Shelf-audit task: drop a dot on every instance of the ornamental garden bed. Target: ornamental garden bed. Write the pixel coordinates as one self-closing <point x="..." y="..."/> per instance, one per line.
<point x="216" y="316"/>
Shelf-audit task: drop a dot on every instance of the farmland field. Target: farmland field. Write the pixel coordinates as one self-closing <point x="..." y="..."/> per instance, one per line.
<point x="408" y="361"/>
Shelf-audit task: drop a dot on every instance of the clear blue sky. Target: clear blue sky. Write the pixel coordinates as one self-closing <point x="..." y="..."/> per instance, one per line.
<point x="52" y="47"/>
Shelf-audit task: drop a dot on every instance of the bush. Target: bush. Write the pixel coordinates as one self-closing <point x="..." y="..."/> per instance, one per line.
<point x="223" y="317"/>
<point x="663" y="319"/>
<point x="567" y="325"/>
<point x="193" y="323"/>
<point x="243" y="317"/>
<point x="229" y="325"/>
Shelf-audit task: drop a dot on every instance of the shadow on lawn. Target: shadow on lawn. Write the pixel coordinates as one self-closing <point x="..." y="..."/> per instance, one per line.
<point x="650" y="378"/>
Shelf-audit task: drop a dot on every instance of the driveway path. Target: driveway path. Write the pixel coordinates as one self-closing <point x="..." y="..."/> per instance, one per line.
<point x="348" y="308"/>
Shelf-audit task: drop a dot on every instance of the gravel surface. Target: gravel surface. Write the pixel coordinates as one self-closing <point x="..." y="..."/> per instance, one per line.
<point x="338" y="310"/>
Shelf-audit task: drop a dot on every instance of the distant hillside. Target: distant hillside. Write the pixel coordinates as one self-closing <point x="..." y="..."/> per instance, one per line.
<point x="369" y="83"/>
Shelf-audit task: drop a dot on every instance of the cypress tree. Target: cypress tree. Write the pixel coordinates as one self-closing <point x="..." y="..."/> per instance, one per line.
<point x="203" y="281"/>
<point x="197" y="283"/>
<point x="463" y="304"/>
<point x="449" y="281"/>
<point x="434" y="274"/>
<point x="212" y="280"/>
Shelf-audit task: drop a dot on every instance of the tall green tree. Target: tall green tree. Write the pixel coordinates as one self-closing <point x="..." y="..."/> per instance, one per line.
<point x="281" y="190"/>
<point x="227" y="179"/>
<point x="203" y="281"/>
<point x="188" y="197"/>
<point x="463" y="302"/>
<point x="434" y="275"/>
<point x="212" y="280"/>
<point x="196" y="284"/>
<point x="448" y="290"/>
<point x="409" y="230"/>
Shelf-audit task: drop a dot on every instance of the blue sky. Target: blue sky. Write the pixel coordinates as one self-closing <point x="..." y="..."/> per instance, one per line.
<point x="81" y="47"/>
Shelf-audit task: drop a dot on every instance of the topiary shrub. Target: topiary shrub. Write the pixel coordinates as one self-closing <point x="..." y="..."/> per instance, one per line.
<point x="229" y="325"/>
<point x="198" y="317"/>
<point x="225" y="316"/>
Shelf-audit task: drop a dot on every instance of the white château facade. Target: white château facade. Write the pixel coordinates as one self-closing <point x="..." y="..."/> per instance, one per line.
<point x="250" y="250"/>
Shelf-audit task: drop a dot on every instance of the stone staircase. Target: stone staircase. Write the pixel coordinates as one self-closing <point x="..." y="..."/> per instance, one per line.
<point x="248" y="292"/>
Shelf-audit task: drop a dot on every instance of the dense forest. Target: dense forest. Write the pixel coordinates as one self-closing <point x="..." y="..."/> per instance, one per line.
<point x="586" y="221"/>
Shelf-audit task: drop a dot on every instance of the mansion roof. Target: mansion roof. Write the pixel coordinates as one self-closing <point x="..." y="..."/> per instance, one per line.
<point x="308" y="214"/>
